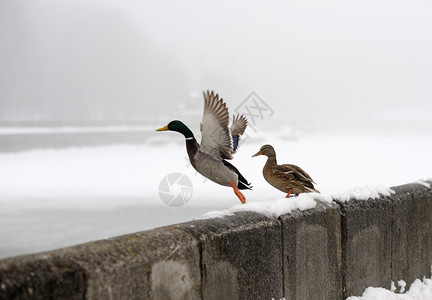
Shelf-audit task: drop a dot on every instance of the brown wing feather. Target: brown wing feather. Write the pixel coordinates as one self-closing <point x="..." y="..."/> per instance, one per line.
<point x="302" y="173"/>
<point x="238" y="125"/>
<point x="293" y="172"/>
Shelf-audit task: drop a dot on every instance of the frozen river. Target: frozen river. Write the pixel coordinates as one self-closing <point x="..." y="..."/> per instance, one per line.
<point x="106" y="182"/>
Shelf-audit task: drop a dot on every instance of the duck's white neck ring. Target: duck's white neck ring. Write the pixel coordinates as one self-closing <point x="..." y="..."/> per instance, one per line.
<point x="189" y="138"/>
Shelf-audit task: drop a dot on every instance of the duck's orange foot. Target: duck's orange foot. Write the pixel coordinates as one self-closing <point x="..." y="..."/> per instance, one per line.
<point x="239" y="194"/>
<point x="289" y="193"/>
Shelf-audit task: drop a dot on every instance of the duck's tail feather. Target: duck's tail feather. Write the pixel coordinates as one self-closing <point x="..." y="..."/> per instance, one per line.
<point x="242" y="184"/>
<point x="312" y="190"/>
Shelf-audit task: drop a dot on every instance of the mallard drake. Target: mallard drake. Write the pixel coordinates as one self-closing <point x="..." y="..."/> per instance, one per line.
<point x="218" y="143"/>
<point x="286" y="178"/>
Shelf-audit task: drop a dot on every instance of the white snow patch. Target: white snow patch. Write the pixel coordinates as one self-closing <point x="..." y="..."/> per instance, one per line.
<point x="273" y="208"/>
<point x="423" y="182"/>
<point x="402" y="285"/>
<point x="362" y="193"/>
<point x="419" y="290"/>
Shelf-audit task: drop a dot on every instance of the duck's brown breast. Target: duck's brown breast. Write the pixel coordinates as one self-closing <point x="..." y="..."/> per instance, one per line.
<point x="276" y="181"/>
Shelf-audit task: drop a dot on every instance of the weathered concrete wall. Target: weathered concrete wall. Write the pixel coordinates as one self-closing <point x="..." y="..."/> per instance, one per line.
<point x="411" y="233"/>
<point x="329" y="252"/>
<point x="241" y="256"/>
<point x="128" y="267"/>
<point x="312" y="253"/>
<point x="366" y="245"/>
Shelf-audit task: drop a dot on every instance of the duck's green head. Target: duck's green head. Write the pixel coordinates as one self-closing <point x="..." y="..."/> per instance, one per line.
<point x="178" y="126"/>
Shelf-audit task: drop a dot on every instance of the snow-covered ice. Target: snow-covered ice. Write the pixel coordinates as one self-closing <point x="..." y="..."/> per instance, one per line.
<point x="70" y="129"/>
<point x="52" y="198"/>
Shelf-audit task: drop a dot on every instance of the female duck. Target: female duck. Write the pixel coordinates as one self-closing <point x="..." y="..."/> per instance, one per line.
<point x="286" y="178"/>
<point x="218" y="143"/>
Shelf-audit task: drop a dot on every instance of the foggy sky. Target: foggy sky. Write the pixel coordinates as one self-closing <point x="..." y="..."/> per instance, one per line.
<point x="132" y="59"/>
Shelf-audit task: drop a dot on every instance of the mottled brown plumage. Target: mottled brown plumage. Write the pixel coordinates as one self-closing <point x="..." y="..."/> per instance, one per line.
<point x="287" y="178"/>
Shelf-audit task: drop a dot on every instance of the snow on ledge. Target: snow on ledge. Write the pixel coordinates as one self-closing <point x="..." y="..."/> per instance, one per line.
<point x="362" y="193"/>
<point x="419" y="290"/>
<point x="423" y="182"/>
<point x="278" y="207"/>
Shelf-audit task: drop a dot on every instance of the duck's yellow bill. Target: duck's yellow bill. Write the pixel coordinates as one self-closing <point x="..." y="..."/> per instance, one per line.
<point x="162" y="128"/>
<point x="256" y="154"/>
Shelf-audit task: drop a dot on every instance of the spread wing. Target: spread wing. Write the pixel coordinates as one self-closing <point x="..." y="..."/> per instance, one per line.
<point x="216" y="136"/>
<point x="238" y="127"/>
<point x="292" y="172"/>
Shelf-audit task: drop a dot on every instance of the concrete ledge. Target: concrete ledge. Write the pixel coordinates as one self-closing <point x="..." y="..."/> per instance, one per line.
<point x="135" y="266"/>
<point x="329" y="252"/>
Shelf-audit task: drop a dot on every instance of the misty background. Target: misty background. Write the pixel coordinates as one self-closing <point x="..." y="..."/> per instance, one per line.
<point x="366" y="63"/>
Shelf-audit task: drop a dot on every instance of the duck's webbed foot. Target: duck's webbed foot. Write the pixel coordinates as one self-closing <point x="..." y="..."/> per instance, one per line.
<point x="289" y="193"/>
<point x="239" y="194"/>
